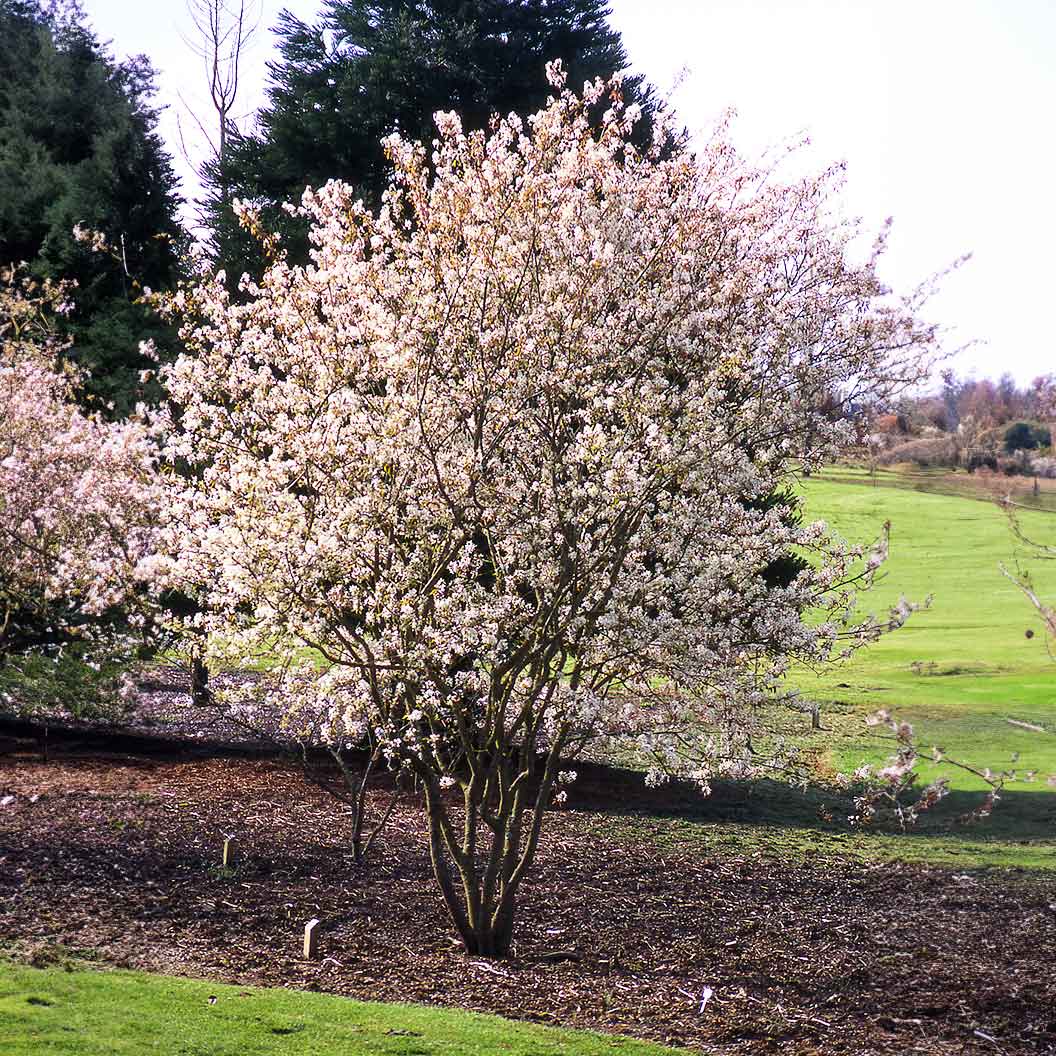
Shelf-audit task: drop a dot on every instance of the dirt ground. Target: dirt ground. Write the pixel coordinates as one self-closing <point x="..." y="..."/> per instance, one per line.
<point x="117" y="851"/>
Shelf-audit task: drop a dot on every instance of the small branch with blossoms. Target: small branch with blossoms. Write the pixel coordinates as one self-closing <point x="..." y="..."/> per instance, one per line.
<point x="1022" y="578"/>
<point x="893" y="791"/>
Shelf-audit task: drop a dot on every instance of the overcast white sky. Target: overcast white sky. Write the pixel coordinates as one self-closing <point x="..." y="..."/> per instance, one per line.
<point x="943" y="110"/>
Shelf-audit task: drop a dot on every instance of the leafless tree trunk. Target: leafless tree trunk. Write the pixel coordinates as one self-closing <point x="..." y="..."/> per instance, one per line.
<point x="352" y="791"/>
<point x="201" y="696"/>
<point x="222" y="30"/>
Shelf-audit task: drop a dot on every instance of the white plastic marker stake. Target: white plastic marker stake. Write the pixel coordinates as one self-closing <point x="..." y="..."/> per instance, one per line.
<point x="311" y="934"/>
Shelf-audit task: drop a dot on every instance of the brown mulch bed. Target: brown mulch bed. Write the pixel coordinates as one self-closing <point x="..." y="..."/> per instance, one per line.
<point x="119" y="853"/>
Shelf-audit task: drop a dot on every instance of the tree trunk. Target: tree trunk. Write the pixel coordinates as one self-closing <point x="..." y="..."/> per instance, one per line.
<point x="490" y="941"/>
<point x="479" y="885"/>
<point x="201" y="697"/>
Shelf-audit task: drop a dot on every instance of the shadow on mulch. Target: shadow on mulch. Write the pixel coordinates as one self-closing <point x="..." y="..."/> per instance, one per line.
<point x="116" y="849"/>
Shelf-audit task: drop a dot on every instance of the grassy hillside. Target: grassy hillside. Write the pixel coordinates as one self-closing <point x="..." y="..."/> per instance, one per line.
<point x="964" y="672"/>
<point x="47" y="1012"/>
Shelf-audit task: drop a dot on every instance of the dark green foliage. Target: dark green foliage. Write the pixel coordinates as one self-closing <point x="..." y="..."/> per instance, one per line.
<point x="981" y="460"/>
<point x="71" y="682"/>
<point x="782" y="570"/>
<point x="369" y="66"/>
<point x="1026" y="436"/>
<point x="78" y="146"/>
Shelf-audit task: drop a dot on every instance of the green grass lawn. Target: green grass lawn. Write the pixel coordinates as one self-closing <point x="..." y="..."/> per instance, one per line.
<point x="960" y="671"/>
<point x="47" y="1012"/>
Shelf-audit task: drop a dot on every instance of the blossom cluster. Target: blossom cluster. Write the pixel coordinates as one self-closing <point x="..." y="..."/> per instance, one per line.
<point x="498" y="452"/>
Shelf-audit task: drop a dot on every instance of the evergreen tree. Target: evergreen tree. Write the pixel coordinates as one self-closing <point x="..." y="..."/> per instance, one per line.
<point x="369" y="66"/>
<point x="78" y="146"/>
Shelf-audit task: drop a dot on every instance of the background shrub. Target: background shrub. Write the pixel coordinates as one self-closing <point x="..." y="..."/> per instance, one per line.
<point x="1026" y="436"/>
<point x="929" y="452"/>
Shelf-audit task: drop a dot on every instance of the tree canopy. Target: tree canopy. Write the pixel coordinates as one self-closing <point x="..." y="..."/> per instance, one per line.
<point x="78" y="146"/>
<point x="78" y="502"/>
<point x="367" y="67"/>
<point x="504" y="456"/>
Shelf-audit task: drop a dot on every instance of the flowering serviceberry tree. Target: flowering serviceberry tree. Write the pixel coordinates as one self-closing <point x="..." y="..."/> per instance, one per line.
<point x="500" y="454"/>
<point x="78" y="504"/>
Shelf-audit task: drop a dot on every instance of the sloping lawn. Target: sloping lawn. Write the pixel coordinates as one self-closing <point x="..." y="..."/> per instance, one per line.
<point x="964" y="673"/>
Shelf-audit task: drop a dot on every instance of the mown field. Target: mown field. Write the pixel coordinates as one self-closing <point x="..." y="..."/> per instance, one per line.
<point x="964" y="672"/>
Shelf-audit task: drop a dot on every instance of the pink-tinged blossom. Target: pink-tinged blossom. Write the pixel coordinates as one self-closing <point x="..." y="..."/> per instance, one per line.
<point x="79" y="496"/>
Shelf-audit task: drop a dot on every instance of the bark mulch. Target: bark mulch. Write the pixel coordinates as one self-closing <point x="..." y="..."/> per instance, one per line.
<point x="620" y="929"/>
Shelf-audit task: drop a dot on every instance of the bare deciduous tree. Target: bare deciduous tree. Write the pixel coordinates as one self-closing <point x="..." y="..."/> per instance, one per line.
<point x="222" y="31"/>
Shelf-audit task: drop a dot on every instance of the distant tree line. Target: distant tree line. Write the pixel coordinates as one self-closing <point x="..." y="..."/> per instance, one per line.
<point x="983" y="401"/>
<point x="973" y="424"/>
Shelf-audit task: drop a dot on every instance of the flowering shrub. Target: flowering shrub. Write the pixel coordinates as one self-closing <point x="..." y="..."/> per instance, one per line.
<point x="893" y="790"/>
<point x="78" y="502"/>
<point x="500" y="455"/>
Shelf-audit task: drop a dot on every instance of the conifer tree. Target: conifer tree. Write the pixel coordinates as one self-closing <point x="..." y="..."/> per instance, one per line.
<point x="78" y="146"/>
<point x="367" y="67"/>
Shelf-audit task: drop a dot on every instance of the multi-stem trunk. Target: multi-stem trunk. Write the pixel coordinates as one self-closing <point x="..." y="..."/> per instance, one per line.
<point x="481" y="863"/>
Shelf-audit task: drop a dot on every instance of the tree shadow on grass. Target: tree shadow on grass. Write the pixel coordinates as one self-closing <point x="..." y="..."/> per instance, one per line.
<point x="1020" y="816"/>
